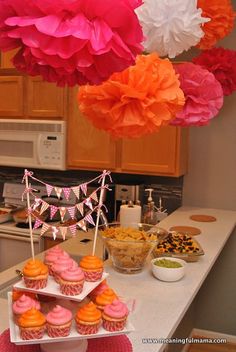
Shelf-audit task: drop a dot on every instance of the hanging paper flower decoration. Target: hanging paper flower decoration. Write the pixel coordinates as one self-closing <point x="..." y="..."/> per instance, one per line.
<point x="136" y="101"/>
<point x="71" y="41"/>
<point x="203" y="94"/>
<point x="170" y="27"/>
<point x="221" y="22"/>
<point x="222" y="63"/>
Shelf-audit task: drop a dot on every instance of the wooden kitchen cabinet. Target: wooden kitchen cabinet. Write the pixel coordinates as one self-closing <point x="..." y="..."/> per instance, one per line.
<point x="161" y="153"/>
<point x="44" y="99"/>
<point x="6" y="58"/>
<point x="11" y="96"/>
<point x="87" y="147"/>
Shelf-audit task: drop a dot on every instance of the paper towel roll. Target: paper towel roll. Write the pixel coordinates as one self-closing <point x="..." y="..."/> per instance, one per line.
<point x="130" y="215"/>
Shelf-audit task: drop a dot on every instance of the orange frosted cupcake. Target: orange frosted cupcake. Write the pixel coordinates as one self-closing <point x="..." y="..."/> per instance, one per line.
<point x="98" y="290"/>
<point x="35" y="274"/>
<point x="105" y="298"/>
<point x="92" y="267"/>
<point x="88" y="319"/>
<point x="114" y="316"/>
<point x="32" y="324"/>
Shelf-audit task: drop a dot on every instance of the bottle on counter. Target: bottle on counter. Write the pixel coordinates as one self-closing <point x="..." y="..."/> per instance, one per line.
<point x="151" y="213"/>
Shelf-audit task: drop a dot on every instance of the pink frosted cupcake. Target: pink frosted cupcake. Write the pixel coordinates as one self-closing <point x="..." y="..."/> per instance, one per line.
<point x="59" y="322"/>
<point x="23" y="304"/>
<point x="51" y="256"/>
<point x="62" y="263"/>
<point x="98" y="290"/>
<point x="35" y="274"/>
<point x="72" y="281"/>
<point x="32" y="324"/>
<point x="114" y="316"/>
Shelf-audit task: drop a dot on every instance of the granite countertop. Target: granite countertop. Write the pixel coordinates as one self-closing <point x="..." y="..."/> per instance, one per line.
<point x="160" y="306"/>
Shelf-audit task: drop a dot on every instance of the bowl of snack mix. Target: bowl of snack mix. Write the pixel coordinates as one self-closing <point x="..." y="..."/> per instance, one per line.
<point x="129" y="247"/>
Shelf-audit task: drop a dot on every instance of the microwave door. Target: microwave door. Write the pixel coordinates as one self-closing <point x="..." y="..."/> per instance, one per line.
<point x="17" y="149"/>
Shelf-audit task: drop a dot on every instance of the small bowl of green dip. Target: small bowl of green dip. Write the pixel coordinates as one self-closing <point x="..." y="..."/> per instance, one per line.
<point x="168" y="269"/>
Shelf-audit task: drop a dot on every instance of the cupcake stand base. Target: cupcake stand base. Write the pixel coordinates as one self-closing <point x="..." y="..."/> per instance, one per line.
<point x="68" y="346"/>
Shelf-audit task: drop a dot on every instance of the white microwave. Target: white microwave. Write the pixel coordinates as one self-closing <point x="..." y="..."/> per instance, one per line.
<point x="33" y="143"/>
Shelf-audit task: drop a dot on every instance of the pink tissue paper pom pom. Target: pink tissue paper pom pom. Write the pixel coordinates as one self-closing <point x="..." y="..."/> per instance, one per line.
<point x="71" y="41"/>
<point x="203" y="94"/>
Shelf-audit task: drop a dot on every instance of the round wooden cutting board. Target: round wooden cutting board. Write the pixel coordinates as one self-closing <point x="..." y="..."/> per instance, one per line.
<point x="190" y="230"/>
<point x="203" y="218"/>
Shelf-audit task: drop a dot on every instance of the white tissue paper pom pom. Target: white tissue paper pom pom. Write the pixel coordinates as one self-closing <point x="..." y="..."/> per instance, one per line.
<point x="170" y="26"/>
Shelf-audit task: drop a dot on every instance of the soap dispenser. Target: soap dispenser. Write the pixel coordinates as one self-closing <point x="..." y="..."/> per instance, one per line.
<point x="149" y="210"/>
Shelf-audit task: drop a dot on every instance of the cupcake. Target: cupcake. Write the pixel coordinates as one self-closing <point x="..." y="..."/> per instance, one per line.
<point x="32" y="324"/>
<point x="92" y="267"/>
<point x="16" y="294"/>
<point x="59" y="322"/>
<point x="62" y="263"/>
<point x="98" y="290"/>
<point x="72" y="281"/>
<point x="105" y="298"/>
<point x="51" y="256"/>
<point x="114" y="316"/>
<point x="23" y="304"/>
<point x="88" y="319"/>
<point x="35" y="274"/>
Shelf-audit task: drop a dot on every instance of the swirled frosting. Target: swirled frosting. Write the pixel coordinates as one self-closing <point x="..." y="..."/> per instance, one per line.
<point x="23" y="304"/>
<point x="16" y="294"/>
<point x="59" y="316"/>
<point x="116" y="309"/>
<point x="55" y="250"/>
<point x="99" y="289"/>
<point x="88" y="313"/>
<point x="106" y="297"/>
<point x="91" y="262"/>
<point x="62" y="263"/>
<point x="32" y="318"/>
<point x="35" y="267"/>
<point x="74" y="273"/>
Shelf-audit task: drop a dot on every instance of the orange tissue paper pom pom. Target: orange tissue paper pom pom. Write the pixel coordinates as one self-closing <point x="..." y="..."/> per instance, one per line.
<point x="221" y="22"/>
<point x="136" y="101"/>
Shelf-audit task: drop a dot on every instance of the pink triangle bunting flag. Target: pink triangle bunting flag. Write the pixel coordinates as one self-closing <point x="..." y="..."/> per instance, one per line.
<point x="76" y="191"/>
<point x="71" y="211"/>
<point x="36" y="204"/>
<point x="45" y="227"/>
<point x="80" y="207"/>
<point x="54" y="232"/>
<point x="62" y="211"/>
<point x="66" y="191"/>
<point x="89" y="219"/>
<point x="37" y="223"/>
<point x="63" y="230"/>
<point x="84" y="188"/>
<point x="44" y="207"/>
<point x="49" y="189"/>
<point x="53" y="210"/>
<point x="58" y="191"/>
<point x="94" y="196"/>
<point x="88" y="203"/>
<point x="73" y="229"/>
<point x="82" y="225"/>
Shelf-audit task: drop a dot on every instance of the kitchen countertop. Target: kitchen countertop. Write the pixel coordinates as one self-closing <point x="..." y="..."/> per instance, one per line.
<point x="160" y="306"/>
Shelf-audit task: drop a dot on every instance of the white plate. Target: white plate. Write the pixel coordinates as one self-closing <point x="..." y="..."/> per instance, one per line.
<point x="53" y="289"/>
<point x="74" y="335"/>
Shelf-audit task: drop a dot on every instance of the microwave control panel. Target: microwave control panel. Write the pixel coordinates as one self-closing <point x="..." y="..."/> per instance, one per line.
<point x="51" y="150"/>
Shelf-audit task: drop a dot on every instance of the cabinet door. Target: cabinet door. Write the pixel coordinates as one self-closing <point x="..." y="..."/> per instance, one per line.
<point x="6" y="58"/>
<point x="88" y="147"/>
<point x="162" y="153"/>
<point x="44" y="99"/>
<point x="11" y="96"/>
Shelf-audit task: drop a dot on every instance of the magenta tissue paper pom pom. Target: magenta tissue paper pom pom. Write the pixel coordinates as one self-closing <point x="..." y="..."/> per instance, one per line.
<point x="203" y="94"/>
<point x="71" y="41"/>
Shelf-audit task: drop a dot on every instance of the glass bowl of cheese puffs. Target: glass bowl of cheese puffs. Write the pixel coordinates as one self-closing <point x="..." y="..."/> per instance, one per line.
<point x="129" y="247"/>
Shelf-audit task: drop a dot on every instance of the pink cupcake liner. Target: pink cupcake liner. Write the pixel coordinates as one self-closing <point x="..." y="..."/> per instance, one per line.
<point x="35" y="284"/>
<point x="87" y="329"/>
<point x="58" y="331"/>
<point x="93" y="275"/>
<point x="114" y="325"/>
<point x="70" y="289"/>
<point x="31" y="334"/>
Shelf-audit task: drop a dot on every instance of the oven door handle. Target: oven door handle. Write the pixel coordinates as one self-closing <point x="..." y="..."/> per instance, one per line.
<point x="18" y="238"/>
